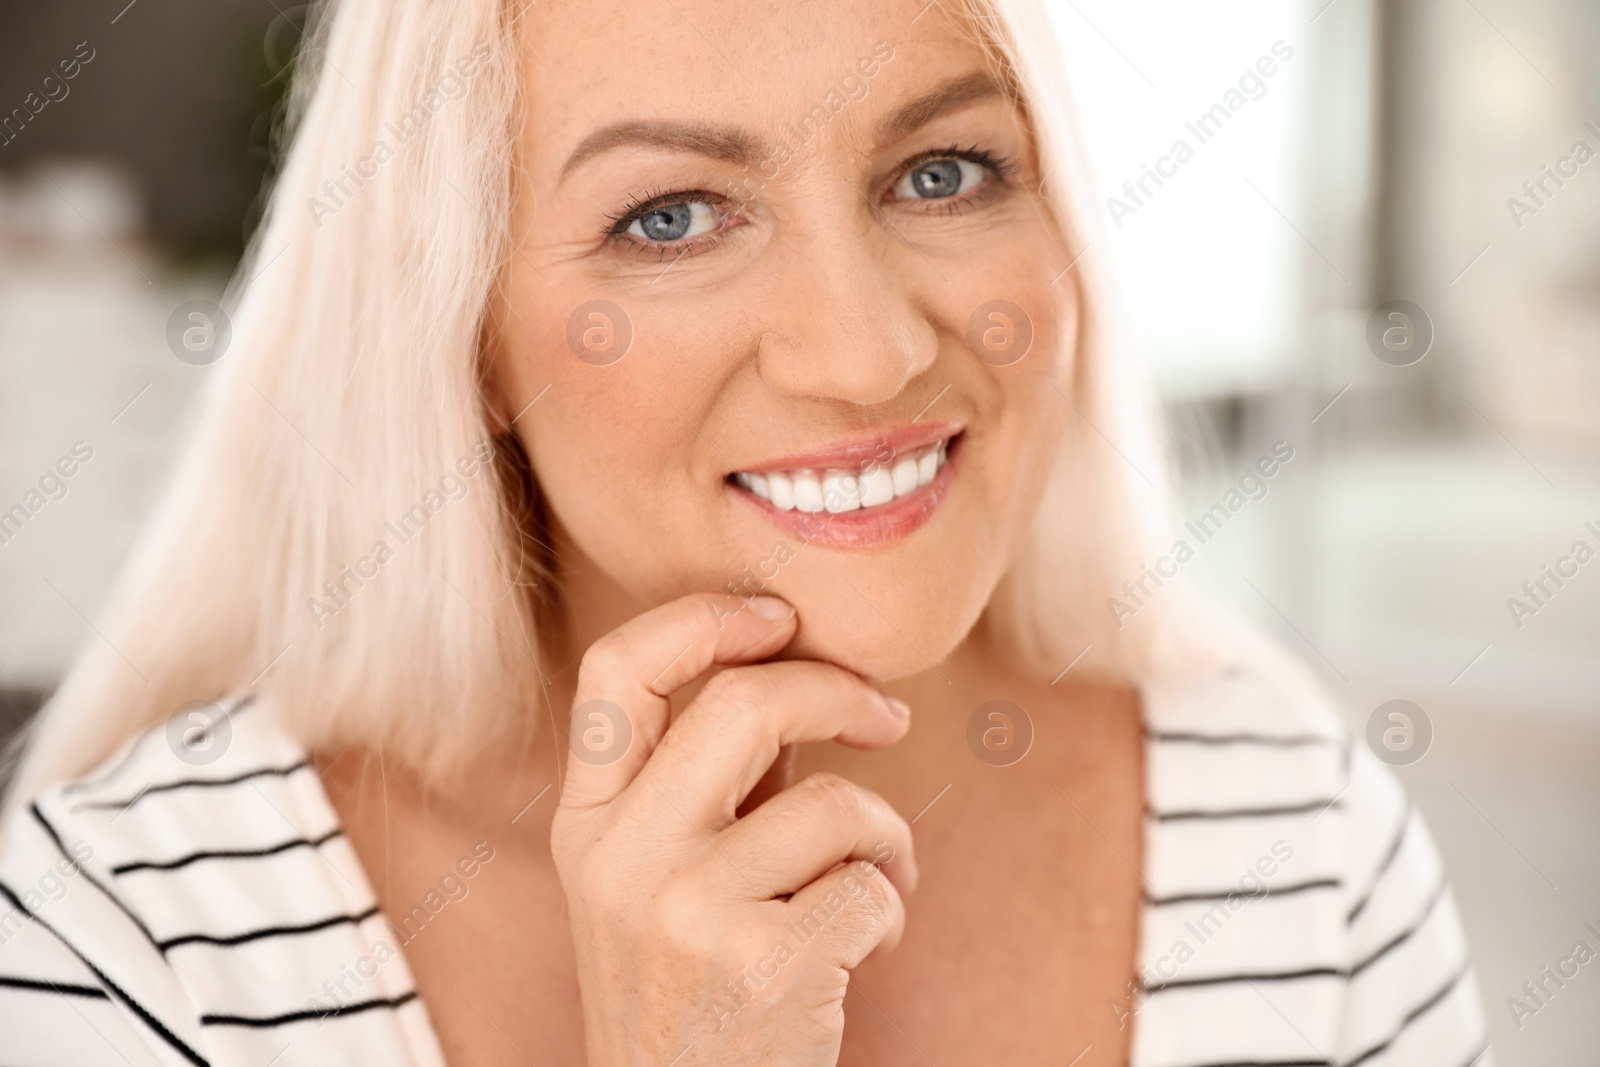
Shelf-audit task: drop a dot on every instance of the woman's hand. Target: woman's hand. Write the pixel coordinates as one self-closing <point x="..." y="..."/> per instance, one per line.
<point x="703" y="938"/>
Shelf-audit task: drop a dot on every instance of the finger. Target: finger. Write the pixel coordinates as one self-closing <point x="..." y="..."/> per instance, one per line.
<point x="778" y="777"/>
<point x="620" y="709"/>
<point x="732" y="731"/>
<point x="807" y="830"/>
<point x="847" y="913"/>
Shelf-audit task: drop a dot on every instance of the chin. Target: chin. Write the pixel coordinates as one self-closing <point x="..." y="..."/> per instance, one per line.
<point x="838" y="624"/>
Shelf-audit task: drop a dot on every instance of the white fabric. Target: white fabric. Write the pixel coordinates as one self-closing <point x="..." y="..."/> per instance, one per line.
<point x="157" y="912"/>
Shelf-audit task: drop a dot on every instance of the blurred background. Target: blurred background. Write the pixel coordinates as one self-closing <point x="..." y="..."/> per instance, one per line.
<point x="1443" y="153"/>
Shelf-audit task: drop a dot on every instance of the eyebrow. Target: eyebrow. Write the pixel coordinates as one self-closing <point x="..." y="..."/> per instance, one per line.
<point x="912" y="116"/>
<point x="737" y="146"/>
<point x="730" y="146"/>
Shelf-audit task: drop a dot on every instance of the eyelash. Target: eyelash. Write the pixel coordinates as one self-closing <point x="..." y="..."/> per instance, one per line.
<point x="1000" y="170"/>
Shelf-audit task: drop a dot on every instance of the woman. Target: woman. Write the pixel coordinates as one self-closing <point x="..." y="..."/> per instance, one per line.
<point x="734" y="379"/>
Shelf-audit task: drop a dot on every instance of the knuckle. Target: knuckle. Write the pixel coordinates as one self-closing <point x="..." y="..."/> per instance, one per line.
<point x="731" y="702"/>
<point x="673" y="907"/>
<point x="678" y="919"/>
<point x="603" y="661"/>
<point x="879" y="903"/>
<point x="840" y="799"/>
<point x="739" y="688"/>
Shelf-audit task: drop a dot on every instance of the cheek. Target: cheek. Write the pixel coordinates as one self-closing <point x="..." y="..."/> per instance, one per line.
<point x="1021" y="339"/>
<point x="599" y="445"/>
<point x="622" y="387"/>
<point x="1025" y="396"/>
<point x="1041" y="388"/>
<point x="1038" y="408"/>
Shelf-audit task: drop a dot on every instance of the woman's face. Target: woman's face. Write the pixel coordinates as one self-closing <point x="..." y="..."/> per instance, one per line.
<point x="789" y="311"/>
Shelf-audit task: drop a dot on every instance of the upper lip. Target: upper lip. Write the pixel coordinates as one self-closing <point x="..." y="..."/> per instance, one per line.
<point x="856" y="452"/>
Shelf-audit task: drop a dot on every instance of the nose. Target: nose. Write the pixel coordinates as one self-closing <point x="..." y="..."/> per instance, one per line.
<point x="848" y="323"/>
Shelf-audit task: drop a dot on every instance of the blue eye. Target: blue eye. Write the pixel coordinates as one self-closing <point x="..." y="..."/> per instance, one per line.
<point x="938" y="179"/>
<point x="674" y="221"/>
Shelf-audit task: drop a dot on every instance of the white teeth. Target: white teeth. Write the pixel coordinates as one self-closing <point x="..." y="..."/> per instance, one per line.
<point x="839" y="491"/>
<point x="807" y="491"/>
<point x="782" y="491"/>
<point x="905" y="476"/>
<point x="877" y="487"/>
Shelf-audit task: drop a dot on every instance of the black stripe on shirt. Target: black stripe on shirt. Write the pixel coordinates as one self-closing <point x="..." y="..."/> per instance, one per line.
<point x="111" y="987"/>
<point x="1284" y="741"/>
<point x="66" y="989"/>
<point x="91" y="879"/>
<point x="1412" y="1016"/>
<point x="1394" y="942"/>
<point x="1383" y="868"/>
<point x="225" y="854"/>
<point x="1224" y="979"/>
<point x="267" y="931"/>
<point x="1308" y="972"/>
<point x="1225" y="894"/>
<point x="191" y="783"/>
<point x="1243" y="813"/>
<point x="301" y="1016"/>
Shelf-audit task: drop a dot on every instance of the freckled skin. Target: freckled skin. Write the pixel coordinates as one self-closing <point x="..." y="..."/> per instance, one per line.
<point x="819" y="304"/>
<point x="827" y="309"/>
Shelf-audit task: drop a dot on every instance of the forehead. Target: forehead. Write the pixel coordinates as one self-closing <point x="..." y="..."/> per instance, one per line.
<point x="749" y="64"/>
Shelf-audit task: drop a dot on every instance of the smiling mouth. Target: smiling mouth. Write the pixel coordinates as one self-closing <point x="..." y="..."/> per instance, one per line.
<point x="882" y="498"/>
<point x="840" y="491"/>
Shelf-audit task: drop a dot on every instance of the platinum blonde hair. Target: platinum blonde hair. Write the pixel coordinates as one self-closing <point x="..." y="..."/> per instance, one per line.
<point x="355" y="386"/>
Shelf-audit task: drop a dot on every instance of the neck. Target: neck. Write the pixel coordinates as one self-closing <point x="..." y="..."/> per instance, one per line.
<point x="591" y="604"/>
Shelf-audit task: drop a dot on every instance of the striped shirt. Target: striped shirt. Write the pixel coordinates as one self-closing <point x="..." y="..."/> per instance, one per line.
<point x="159" y="912"/>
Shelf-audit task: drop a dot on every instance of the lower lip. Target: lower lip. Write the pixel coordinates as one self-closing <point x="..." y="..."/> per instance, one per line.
<point x="865" y="526"/>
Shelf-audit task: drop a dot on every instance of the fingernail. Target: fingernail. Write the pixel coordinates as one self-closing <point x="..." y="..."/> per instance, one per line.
<point x="899" y="707"/>
<point x="771" y="608"/>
